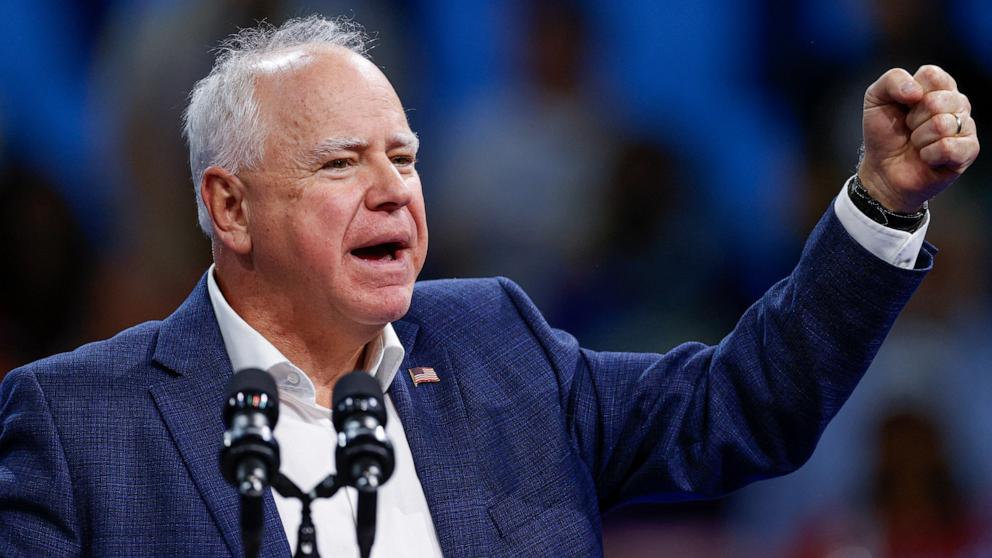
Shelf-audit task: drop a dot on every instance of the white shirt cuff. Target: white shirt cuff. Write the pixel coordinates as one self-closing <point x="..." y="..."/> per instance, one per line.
<point x="899" y="248"/>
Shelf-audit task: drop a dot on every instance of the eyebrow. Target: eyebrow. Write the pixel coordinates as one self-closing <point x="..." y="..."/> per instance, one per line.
<point x="333" y="145"/>
<point x="339" y="144"/>
<point x="326" y="147"/>
<point x="405" y="139"/>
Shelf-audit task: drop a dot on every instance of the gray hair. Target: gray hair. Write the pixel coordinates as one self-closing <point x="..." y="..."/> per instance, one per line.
<point x="222" y="123"/>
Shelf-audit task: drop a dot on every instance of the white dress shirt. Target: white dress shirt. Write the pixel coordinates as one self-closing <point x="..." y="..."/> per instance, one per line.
<point x="306" y="441"/>
<point x="306" y="434"/>
<point x="899" y="248"/>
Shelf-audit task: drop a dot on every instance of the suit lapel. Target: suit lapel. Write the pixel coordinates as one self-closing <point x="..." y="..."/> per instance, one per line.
<point x="437" y="430"/>
<point x="191" y="347"/>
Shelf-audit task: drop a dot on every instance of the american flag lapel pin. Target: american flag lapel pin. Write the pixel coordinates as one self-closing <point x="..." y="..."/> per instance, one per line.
<point x="423" y="375"/>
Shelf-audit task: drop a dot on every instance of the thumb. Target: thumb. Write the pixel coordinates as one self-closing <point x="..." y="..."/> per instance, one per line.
<point x="895" y="86"/>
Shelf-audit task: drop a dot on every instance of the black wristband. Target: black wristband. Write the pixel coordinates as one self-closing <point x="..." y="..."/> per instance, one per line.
<point x="875" y="211"/>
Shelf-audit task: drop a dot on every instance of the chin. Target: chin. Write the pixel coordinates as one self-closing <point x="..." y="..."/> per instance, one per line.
<point x="386" y="305"/>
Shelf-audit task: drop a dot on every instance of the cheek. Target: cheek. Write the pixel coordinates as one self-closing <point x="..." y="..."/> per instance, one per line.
<point x="418" y="209"/>
<point x="422" y="252"/>
<point x="419" y="213"/>
<point x="319" y="226"/>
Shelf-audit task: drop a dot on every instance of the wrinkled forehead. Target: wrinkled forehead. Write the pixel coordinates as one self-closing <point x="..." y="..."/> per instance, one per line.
<point x="313" y="73"/>
<point x="311" y="87"/>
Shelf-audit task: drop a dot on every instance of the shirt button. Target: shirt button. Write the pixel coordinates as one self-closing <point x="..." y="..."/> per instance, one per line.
<point x="293" y="379"/>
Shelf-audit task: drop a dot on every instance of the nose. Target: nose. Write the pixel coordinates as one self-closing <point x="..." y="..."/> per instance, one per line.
<point x="389" y="190"/>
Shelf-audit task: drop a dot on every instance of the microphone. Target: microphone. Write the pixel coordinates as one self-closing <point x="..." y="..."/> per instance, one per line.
<point x="249" y="459"/>
<point x="364" y="455"/>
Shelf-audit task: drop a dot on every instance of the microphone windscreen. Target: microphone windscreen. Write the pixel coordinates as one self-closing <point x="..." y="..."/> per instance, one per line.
<point x="359" y="386"/>
<point x="257" y="391"/>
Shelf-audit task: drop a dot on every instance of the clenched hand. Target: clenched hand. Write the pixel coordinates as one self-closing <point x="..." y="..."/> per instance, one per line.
<point x="914" y="147"/>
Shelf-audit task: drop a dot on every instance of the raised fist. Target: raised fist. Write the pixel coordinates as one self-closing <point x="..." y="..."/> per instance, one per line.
<point x="919" y="137"/>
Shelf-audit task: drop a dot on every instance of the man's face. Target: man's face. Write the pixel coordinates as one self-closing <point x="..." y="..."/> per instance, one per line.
<point x="335" y="211"/>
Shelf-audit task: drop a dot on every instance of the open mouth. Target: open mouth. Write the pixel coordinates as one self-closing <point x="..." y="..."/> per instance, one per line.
<point x="386" y="251"/>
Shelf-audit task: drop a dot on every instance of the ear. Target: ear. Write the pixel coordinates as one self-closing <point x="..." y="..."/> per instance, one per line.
<point x="225" y="197"/>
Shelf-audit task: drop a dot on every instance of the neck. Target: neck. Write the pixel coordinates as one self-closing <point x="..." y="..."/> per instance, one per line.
<point x="325" y="349"/>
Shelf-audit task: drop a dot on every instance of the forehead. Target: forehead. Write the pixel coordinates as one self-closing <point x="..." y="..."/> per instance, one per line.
<point x="312" y="93"/>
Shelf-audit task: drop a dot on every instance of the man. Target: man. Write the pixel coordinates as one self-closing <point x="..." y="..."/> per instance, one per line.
<point x="306" y="180"/>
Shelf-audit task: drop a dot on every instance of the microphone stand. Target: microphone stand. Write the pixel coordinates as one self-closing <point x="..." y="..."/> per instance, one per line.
<point x="306" y="538"/>
<point x="306" y="541"/>
<point x="252" y="470"/>
<point x="365" y="526"/>
<point x="251" y="525"/>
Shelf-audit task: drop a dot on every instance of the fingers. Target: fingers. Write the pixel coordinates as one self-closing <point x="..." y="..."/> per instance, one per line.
<point x="937" y="102"/>
<point x="895" y="86"/>
<point x="934" y="78"/>
<point x="942" y="125"/>
<point x="956" y="153"/>
<point x="938" y="119"/>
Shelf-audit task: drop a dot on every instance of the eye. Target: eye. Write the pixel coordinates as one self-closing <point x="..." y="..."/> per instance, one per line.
<point x="404" y="160"/>
<point x="338" y="164"/>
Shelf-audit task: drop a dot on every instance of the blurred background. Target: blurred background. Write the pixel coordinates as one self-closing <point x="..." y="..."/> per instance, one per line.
<point x="645" y="169"/>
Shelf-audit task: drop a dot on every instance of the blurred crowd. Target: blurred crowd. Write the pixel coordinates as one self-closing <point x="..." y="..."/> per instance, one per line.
<point x="644" y="169"/>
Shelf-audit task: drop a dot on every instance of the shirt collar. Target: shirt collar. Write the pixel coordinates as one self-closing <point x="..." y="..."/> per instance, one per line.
<point x="247" y="348"/>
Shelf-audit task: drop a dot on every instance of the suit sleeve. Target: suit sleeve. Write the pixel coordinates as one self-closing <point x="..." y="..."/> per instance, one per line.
<point x="701" y="420"/>
<point x="37" y="514"/>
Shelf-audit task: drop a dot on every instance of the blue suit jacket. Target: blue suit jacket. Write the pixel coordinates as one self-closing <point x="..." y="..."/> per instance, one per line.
<point x="111" y="450"/>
